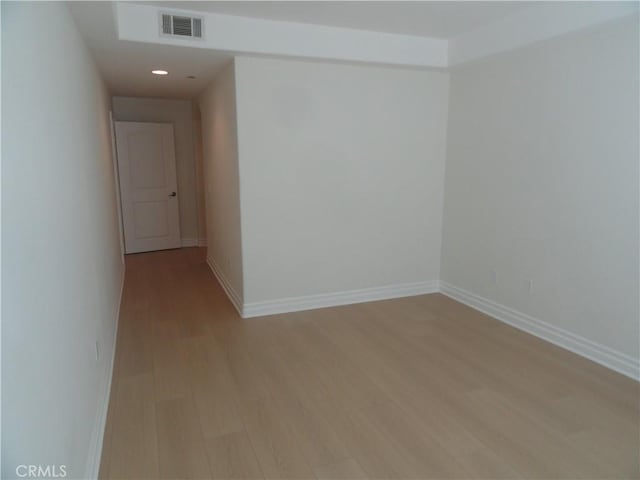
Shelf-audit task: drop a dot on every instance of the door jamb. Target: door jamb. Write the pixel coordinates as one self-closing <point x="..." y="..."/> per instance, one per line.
<point x="114" y="159"/>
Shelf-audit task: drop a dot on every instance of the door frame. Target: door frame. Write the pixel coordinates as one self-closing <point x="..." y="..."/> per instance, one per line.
<point x="116" y="175"/>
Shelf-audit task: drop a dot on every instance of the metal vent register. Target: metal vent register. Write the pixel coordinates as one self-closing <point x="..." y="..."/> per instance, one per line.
<point x="181" y="26"/>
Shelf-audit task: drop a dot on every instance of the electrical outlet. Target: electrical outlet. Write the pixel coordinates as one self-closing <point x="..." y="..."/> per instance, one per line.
<point x="530" y="285"/>
<point x="97" y="352"/>
<point x="494" y="277"/>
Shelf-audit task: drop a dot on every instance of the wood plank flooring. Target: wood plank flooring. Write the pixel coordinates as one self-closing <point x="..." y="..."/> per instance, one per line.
<point x="415" y="388"/>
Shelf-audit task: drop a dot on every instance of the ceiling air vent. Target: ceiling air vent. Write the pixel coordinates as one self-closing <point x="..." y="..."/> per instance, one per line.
<point x="180" y="26"/>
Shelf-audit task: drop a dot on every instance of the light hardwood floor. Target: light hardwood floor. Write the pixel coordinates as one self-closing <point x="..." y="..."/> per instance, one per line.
<point x="415" y="388"/>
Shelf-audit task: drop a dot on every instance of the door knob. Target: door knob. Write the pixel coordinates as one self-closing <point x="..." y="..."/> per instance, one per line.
<point x="172" y="194"/>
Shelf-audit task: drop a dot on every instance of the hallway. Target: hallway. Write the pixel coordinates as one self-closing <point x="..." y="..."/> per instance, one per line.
<point x="420" y="387"/>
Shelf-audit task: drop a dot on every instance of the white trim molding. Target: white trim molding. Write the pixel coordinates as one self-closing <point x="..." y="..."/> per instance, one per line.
<point x="189" y="242"/>
<point x="310" y="302"/>
<point x="193" y="242"/>
<point x="322" y="300"/>
<point x="97" y="438"/>
<point x="224" y="282"/>
<point x="605" y="356"/>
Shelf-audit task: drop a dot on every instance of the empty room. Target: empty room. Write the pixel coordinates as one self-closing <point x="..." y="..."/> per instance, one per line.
<point x="320" y="240"/>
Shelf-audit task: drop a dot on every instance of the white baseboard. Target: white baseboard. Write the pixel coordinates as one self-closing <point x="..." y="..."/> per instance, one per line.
<point x="193" y="242"/>
<point x="97" y="437"/>
<point x="188" y="242"/>
<point x="605" y="356"/>
<point x="310" y="302"/>
<point x="236" y="300"/>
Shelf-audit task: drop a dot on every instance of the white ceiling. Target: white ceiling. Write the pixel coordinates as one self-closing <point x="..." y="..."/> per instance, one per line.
<point x="433" y="34"/>
<point x="126" y="66"/>
<point x="426" y="18"/>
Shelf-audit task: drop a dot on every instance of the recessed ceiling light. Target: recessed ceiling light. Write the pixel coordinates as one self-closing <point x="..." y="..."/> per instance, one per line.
<point x="159" y="72"/>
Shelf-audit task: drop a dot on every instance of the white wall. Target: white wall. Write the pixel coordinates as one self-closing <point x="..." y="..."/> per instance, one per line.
<point x="222" y="184"/>
<point x="180" y="114"/>
<point x="341" y="176"/>
<point x="542" y="183"/>
<point x="61" y="267"/>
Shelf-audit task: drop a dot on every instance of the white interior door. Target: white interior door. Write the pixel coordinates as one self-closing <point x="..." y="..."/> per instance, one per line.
<point x="148" y="187"/>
